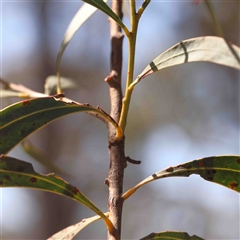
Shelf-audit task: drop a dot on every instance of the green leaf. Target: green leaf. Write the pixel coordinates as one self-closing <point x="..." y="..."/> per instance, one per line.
<point x="101" y="5"/>
<point x="71" y="231"/>
<point x="224" y="170"/>
<point x="19" y="120"/>
<point x="17" y="173"/>
<point x="86" y="11"/>
<point x="170" y="235"/>
<point x="207" y="49"/>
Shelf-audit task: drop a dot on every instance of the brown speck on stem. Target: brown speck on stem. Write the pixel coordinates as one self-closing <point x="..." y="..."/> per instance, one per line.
<point x="106" y="182"/>
<point x="108" y="79"/>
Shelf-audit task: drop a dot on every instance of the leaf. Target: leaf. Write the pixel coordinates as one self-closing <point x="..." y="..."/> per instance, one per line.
<point x="101" y="5"/>
<point x="8" y="93"/>
<point x="51" y="84"/>
<point x="224" y="170"/>
<point x="24" y="91"/>
<point x="19" y="120"/>
<point x="207" y="49"/>
<point x="170" y="235"/>
<point x="80" y="17"/>
<point x="71" y="231"/>
<point x="17" y="173"/>
<point x="86" y="11"/>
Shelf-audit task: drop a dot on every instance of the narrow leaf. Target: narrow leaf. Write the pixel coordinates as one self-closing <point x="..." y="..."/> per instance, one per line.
<point x="171" y="235"/>
<point x="224" y="170"/>
<point x="8" y="93"/>
<point x="207" y="49"/>
<point x="24" y="92"/>
<point x="101" y="5"/>
<point x="71" y="231"/>
<point x="19" y="120"/>
<point x="80" y="17"/>
<point x="86" y="11"/>
<point x="17" y="173"/>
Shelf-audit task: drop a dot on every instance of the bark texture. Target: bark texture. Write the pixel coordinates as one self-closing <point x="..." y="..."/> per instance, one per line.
<point x="116" y="148"/>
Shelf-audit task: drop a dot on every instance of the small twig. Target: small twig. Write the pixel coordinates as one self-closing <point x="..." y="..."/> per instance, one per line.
<point x="128" y="159"/>
<point x="106" y="182"/>
<point x="28" y="93"/>
<point x="6" y="84"/>
<point x="142" y="8"/>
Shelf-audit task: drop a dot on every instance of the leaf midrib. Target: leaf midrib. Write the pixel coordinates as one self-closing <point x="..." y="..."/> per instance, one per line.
<point x="43" y="178"/>
<point x="192" y="50"/>
<point x="44" y="110"/>
<point x="196" y="169"/>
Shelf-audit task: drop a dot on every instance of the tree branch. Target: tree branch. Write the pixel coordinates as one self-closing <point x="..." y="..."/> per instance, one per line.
<point x="116" y="147"/>
<point x="115" y="76"/>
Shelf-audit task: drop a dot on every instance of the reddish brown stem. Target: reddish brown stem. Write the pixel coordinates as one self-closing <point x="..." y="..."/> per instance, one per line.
<point x="116" y="147"/>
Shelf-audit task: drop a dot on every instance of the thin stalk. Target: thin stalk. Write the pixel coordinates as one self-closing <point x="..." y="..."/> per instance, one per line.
<point x="142" y="8"/>
<point x="59" y="89"/>
<point x="115" y="143"/>
<point x="131" y="60"/>
<point x="216" y="24"/>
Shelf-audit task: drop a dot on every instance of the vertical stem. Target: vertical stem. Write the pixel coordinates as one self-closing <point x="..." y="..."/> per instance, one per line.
<point x="131" y="59"/>
<point x="116" y="147"/>
<point x="115" y="77"/>
<point x="216" y="25"/>
<point x="115" y="182"/>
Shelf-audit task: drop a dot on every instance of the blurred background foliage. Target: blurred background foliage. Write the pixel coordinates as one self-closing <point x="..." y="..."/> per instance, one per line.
<point x="178" y="114"/>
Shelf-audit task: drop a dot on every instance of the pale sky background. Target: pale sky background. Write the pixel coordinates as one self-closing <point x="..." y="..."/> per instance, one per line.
<point x="158" y="146"/>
